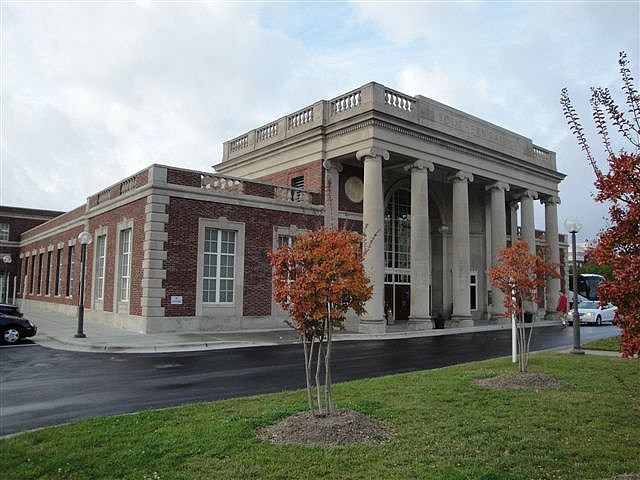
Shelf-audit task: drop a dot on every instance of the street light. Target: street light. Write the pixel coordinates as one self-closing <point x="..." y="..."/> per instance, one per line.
<point x="85" y="239"/>
<point x="6" y="260"/>
<point x="573" y="225"/>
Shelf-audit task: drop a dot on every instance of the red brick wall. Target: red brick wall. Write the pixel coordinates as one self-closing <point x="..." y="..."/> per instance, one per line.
<point x="313" y="173"/>
<point x="182" y="177"/>
<point x="182" y="250"/>
<point x="64" y="236"/>
<point x="64" y="218"/>
<point x="110" y="219"/>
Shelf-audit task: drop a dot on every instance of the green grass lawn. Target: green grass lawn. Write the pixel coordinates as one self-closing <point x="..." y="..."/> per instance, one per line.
<point x="610" y="344"/>
<point x="446" y="428"/>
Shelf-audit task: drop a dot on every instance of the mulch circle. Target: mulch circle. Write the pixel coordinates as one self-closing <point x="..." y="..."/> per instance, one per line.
<point x="345" y="428"/>
<point x="521" y="381"/>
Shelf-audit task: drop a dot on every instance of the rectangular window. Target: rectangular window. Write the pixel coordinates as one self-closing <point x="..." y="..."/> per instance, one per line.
<point x="125" y="264"/>
<point x="33" y="274"/>
<point x="285" y="240"/>
<point x="4" y="232"/>
<point x="101" y="251"/>
<point x="473" y="291"/>
<point x="59" y="273"/>
<point x="40" y="262"/>
<point x="47" y="285"/>
<point x="219" y="266"/>
<point x="70" y="270"/>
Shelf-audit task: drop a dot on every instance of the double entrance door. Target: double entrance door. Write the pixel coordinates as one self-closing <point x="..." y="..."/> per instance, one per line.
<point x="397" y="296"/>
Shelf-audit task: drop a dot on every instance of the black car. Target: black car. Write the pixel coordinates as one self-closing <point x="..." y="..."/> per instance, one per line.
<point x="9" y="309"/>
<point x="15" y="328"/>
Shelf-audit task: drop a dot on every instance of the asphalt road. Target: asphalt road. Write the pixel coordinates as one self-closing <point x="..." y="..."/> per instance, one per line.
<point x="41" y="387"/>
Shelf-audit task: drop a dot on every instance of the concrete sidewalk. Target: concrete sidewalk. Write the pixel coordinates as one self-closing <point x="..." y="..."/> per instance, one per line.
<point x="57" y="331"/>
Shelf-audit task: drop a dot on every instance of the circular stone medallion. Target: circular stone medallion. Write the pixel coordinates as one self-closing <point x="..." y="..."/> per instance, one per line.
<point x="353" y="187"/>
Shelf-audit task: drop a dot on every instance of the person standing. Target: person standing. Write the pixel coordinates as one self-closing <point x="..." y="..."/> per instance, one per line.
<point x="563" y="308"/>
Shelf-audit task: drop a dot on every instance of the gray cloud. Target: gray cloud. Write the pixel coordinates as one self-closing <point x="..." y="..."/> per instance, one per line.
<point x="92" y="93"/>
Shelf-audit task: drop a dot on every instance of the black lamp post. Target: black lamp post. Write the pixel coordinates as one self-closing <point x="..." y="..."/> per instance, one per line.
<point x="85" y="239"/>
<point x="574" y="226"/>
<point x="6" y="260"/>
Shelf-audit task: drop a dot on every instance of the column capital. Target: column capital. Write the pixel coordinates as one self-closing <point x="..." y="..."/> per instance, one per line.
<point x="372" y="152"/>
<point x="550" y="200"/>
<point x="498" y="186"/>
<point x="528" y="194"/>
<point x="461" y="176"/>
<point x="421" y="165"/>
<point x="332" y="165"/>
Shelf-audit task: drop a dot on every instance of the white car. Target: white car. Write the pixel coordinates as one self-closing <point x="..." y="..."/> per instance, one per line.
<point x="596" y="312"/>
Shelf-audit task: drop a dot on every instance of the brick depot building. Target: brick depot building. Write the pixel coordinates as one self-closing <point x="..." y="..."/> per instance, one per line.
<point x="437" y="191"/>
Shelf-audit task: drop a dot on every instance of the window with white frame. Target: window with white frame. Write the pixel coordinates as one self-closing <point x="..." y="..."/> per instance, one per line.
<point x="284" y="239"/>
<point x="4" y="232"/>
<point x="473" y="291"/>
<point x="125" y="264"/>
<point x="101" y="252"/>
<point x="218" y="274"/>
<point x="59" y="273"/>
<point x="47" y="290"/>
<point x="70" y="269"/>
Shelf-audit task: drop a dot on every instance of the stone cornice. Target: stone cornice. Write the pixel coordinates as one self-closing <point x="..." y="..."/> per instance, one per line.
<point x="431" y="139"/>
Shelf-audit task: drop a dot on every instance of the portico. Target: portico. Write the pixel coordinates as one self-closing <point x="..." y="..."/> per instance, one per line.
<point x="435" y="192"/>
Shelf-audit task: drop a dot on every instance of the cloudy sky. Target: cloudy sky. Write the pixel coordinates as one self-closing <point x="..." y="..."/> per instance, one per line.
<point x="94" y="91"/>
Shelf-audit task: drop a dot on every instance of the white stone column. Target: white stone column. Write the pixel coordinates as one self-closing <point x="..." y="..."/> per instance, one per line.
<point x="332" y="171"/>
<point x="529" y="234"/>
<point x="553" y="245"/>
<point x="528" y="222"/>
<point x="446" y="296"/>
<point x="513" y="207"/>
<point x="498" y="241"/>
<point x="373" y="230"/>
<point x="419" y="318"/>
<point x="461" y="315"/>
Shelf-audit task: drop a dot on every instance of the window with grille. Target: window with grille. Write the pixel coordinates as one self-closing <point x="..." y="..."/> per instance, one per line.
<point x="4" y="232"/>
<point x="70" y="270"/>
<point x="218" y="274"/>
<point x="101" y="252"/>
<point x="59" y="273"/>
<point x="49" y="271"/>
<point x="125" y="264"/>
<point x="297" y="182"/>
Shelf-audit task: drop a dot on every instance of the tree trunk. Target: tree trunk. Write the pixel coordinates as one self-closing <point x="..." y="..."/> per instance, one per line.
<point x="327" y="366"/>
<point x="308" y="355"/>
<point x="318" y="384"/>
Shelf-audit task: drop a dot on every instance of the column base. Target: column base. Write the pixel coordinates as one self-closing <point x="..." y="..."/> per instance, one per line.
<point x="419" y="323"/>
<point x="460" y="321"/>
<point x="500" y="319"/>
<point x="555" y="316"/>
<point x="372" y="326"/>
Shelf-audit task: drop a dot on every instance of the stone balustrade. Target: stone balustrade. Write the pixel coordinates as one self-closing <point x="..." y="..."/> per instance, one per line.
<point x="375" y="97"/>
<point x="220" y="183"/>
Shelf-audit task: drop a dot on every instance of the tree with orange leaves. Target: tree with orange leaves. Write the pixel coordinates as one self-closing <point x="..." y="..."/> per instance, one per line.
<point x="317" y="280"/>
<point x="619" y="245"/>
<point x="520" y="276"/>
